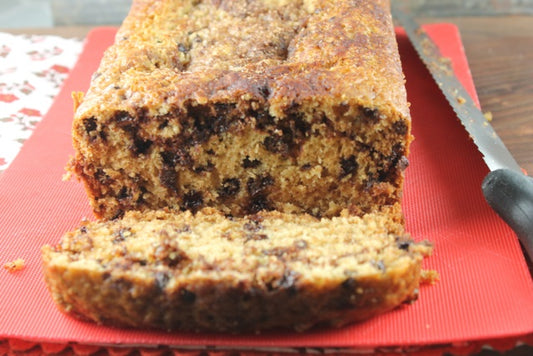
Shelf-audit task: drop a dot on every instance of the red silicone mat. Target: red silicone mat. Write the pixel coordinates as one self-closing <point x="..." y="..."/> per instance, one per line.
<point x="485" y="291"/>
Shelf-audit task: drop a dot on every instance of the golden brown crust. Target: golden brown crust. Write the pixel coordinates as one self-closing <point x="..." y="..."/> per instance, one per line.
<point x="342" y="51"/>
<point x="311" y="92"/>
<point x="206" y="272"/>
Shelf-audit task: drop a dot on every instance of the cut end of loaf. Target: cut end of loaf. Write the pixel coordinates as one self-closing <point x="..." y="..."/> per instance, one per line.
<point x="302" y="110"/>
<point x="242" y="161"/>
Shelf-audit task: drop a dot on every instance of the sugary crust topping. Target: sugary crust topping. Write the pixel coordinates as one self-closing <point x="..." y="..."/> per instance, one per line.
<point x="283" y="52"/>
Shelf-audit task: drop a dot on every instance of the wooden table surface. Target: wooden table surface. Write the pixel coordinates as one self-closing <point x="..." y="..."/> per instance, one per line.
<point x="500" y="54"/>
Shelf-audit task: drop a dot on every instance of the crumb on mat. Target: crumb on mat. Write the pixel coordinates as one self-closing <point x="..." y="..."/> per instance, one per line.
<point x="429" y="277"/>
<point x="15" y="265"/>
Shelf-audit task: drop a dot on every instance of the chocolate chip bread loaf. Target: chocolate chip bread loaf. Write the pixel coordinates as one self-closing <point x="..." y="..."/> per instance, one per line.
<point x="246" y="158"/>
<point x="297" y="106"/>
<point x="172" y="270"/>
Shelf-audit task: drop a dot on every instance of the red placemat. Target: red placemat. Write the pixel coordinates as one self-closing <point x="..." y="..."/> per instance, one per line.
<point x="485" y="291"/>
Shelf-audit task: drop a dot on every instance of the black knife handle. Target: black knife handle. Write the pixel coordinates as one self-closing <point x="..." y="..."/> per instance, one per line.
<point x="510" y="194"/>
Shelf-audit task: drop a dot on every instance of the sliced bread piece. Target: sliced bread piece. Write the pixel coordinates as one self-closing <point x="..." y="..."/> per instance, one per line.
<point x="205" y="271"/>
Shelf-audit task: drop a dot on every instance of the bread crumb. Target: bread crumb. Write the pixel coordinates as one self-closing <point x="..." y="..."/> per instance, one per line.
<point x="15" y="265"/>
<point x="66" y="176"/>
<point x="429" y="277"/>
<point x="488" y="116"/>
<point x="461" y="100"/>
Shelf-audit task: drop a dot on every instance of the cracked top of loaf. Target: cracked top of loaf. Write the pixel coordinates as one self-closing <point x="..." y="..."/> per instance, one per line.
<point x="277" y="53"/>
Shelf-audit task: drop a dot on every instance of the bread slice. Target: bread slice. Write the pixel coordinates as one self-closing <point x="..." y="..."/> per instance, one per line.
<point x="246" y="105"/>
<point x="206" y="272"/>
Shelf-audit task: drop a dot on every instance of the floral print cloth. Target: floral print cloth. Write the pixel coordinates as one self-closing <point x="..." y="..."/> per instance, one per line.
<point x="32" y="70"/>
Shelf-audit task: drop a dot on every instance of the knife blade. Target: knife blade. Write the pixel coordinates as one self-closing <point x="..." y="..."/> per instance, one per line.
<point x="506" y="188"/>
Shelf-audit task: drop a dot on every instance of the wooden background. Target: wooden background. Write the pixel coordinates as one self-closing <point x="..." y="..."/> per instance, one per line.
<point x="498" y="40"/>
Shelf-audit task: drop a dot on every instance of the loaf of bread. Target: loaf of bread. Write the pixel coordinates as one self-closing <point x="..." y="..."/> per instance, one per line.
<point x="246" y="160"/>
<point x="297" y="106"/>
<point x="171" y="270"/>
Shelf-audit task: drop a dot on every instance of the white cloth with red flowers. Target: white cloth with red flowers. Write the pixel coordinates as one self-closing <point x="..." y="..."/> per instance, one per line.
<point x="32" y="70"/>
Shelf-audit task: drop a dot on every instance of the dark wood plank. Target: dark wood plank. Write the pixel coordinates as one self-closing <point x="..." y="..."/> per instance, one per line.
<point x="453" y="8"/>
<point x="500" y="54"/>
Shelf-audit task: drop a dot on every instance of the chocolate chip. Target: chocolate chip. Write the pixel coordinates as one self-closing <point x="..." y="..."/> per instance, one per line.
<point x="257" y="188"/>
<point x="258" y="185"/>
<point x="392" y="164"/>
<point x="83" y="229"/>
<point x="259" y="203"/>
<point x="90" y="125"/>
<point x="123" y="194"/>
<point x="294" y="129"/>
<point x="163" y="125"/>
<point x="123" y="118"/>
<point x="205" y="168"/>
<point x="205" y="121"/>
<point x="103" y="135"/>
<point x="306" y="167"/>
<point x="299" y="127"/>
<point x="192" y="200"/>
<point x="371" y="113"/>
<point x="141" y="146"/>
<point x="348" y="166"/>
<point x="169" y="178"/>
<point x="277" y="144"/>
<point x="403" y="245"/>
<point x="263" y="119"/>
<point x="179" y="157"/>
<point x="229" y="188"/>
<point x="400" y="127"/>
<point x="264" y="91"/>
<point x="120" y="284"/>
<point x="140" y="198"/>
<point x="248" y="163"/>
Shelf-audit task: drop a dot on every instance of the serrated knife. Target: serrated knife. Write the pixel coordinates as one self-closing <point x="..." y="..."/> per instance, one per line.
<point x="506" y="188"/>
